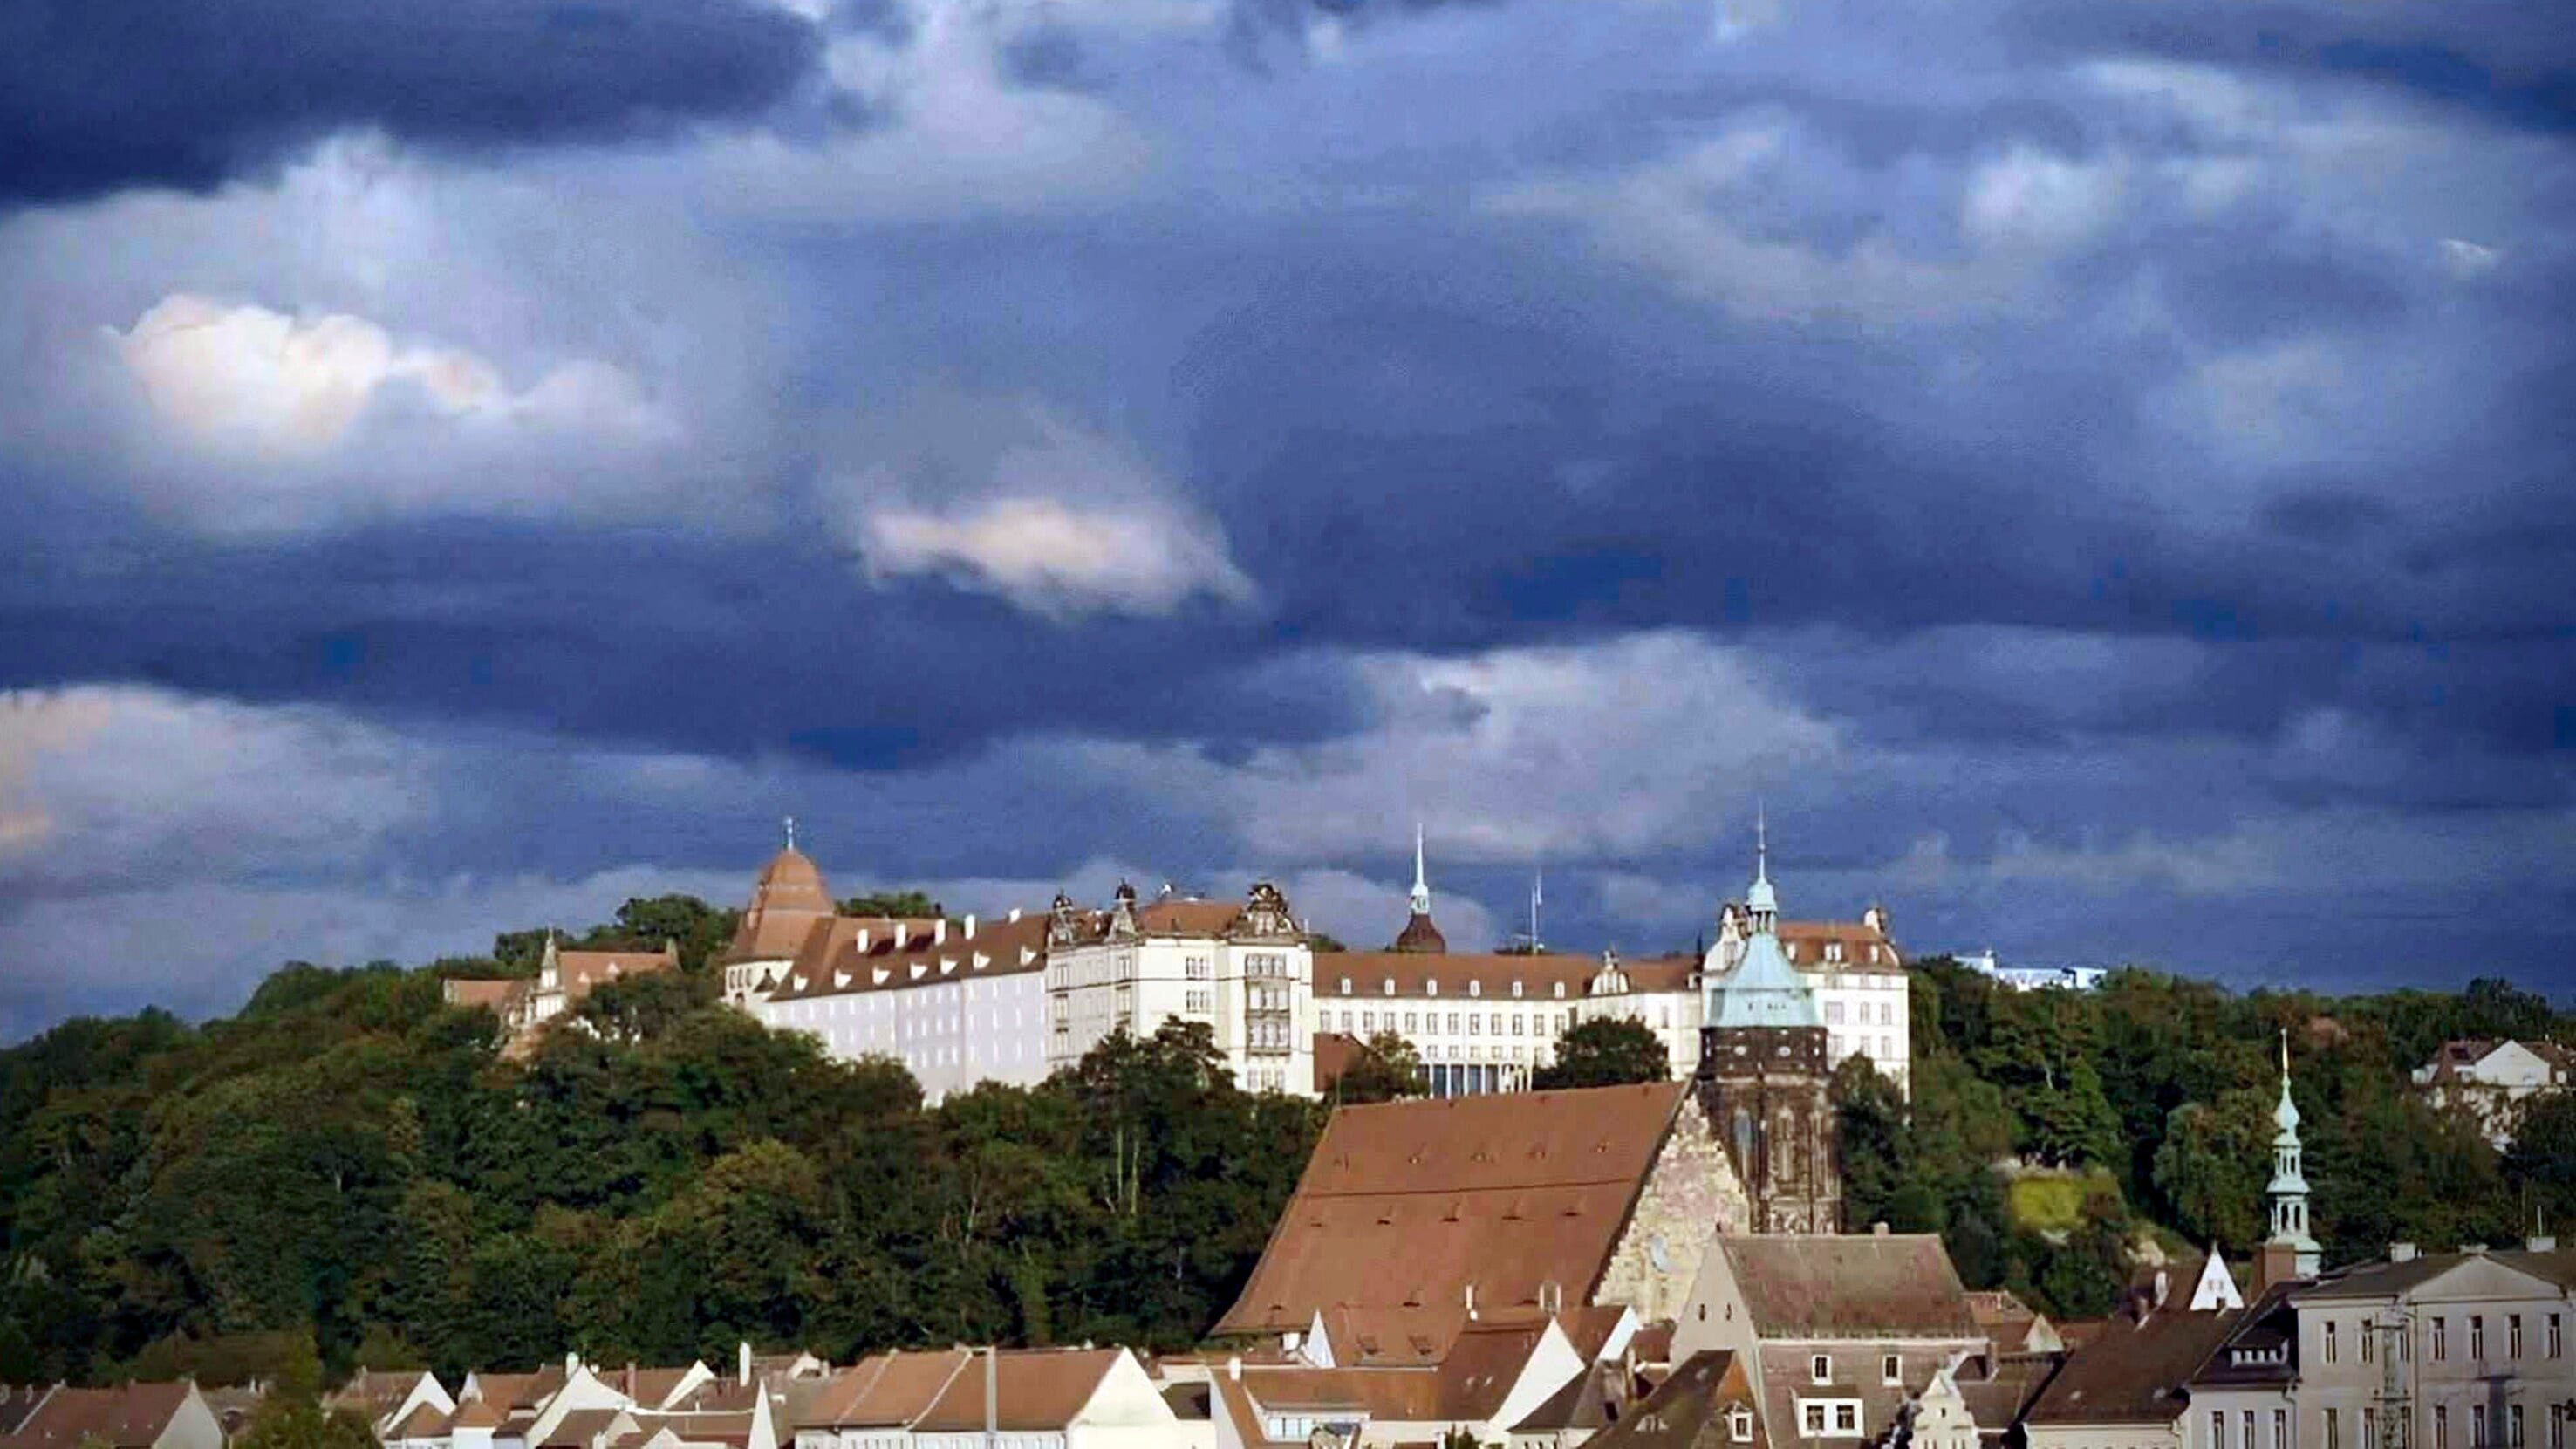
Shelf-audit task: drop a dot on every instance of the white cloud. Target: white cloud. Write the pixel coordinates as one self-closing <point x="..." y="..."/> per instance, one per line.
<point x="1054" y="517"/>
<point x="1052" y="559"/>
<point x="2466" y="260"/>
<point x="2032" y="199"/>
<point x="245" y="378"/>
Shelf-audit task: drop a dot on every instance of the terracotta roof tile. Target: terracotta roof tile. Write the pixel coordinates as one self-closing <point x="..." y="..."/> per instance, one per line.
<point x="1405" y="1204"/>
<point x="890" y="1389"/>
<point x="1034" y="1389"/>
<point x="127" y="1417"/>
<point x="2133" y="1369"/>
<point x="837" y="967"/>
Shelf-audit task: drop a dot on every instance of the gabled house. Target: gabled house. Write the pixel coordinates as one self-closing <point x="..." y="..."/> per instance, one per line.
<point x="386" y="1398"/>
<point x="1048" y="1398"/>
<point x="1840" y="1335"/>
<point x="1709" y="1402"/>
<point x="131" y="1416"/>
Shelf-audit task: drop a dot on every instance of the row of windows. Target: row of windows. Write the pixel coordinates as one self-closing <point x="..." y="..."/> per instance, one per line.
<point x="1860" y="1013"/>
<point x="1846" y="1045"/>
<point x="1432" y="988"/>
<point x="1544" y="1023"/>
<point x="2553" y="1335"/>
<point x="1817" y="1417"/>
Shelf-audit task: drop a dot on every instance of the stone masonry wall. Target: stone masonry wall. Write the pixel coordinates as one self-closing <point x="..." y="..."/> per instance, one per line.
<point x="1692" y="1194"/>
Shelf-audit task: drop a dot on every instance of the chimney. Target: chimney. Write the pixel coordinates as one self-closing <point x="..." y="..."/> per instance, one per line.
<point x="2401" y="1252"/>
<point x="992" y="1397"/>
<point x="2274" y="1263"/>
<point x="630" y="1378"/>
<point x="742" y="1360"/>
<point x="970" y="925"/>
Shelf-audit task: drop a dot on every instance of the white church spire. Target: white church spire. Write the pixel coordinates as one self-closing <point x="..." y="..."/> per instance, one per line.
<point x="1421" y="882"/>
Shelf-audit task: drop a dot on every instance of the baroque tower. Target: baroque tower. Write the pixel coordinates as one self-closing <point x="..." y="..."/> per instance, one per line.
<point x="2291" y="1248"/>
<point x="1764" y="1074"/>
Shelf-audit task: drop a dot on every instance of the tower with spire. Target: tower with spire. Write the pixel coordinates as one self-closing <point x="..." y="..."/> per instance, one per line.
<point x="1765" y="1073"/>
<point x="1419" y="935"/>
<point x="2291" y="1251"/>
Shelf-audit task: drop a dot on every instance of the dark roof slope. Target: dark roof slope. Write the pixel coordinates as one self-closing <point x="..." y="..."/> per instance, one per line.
<point x="2134" y="1368"/>
<point x="1696" y="1398"/>
<point x="127" y="1417"/>
<point x="1879" y="1285"/>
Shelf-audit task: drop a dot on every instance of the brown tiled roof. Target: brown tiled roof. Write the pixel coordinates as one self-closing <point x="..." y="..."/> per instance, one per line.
<point x="127" y="1417"/>
<point x="498" y="995"/>
<point x="888" y="1389"/>
<point x="1482" y="1365"/>
<point x="1999" y="1391"/>
<point x="1184" y="917"/>
<point x="1589" y="1326"/>
<point x="1696" y="1397"/>
<point x="1589" y="1400"/>
<point x="578" y="973"/>
<point x="835" y="966"/>
<point x="423" y="1422"/>
<point x="2134" y="1369"/>
<point x="732" y="1426"/>
<point x="378" y="1392"/>
<point x="1653" y="1343"/>
<point x="786" y="901"/>
<point x="1420" y="937"/>
<point x="520" y="1391"/>
<point x="1405" y="1395"/>
<point x="1415" y="974"/>
<point x="1804" y="944"/>
<point x="578" y="1427"/>
<point x="478" y="1414"/>
<point x="1404" y="1205"/>
<point x="1034" y="1388"/>
<point x="1876" y="1285"/>
<point x="17" y="1401"/>
<point x="1336" y="1052"/>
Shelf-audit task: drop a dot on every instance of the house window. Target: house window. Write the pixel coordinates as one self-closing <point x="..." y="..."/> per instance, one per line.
<point x="2281" y="1429"/>
<point x="1820" y="1369"/>
<point x="1390" y="986"/>
<point x="1891" y="1369"/>
<point x="1739" y="1424"/>
<point x="1516" y="990"/>
<point x="2553" y="1335"/>
<point x="2513" y="1426"/>
<point x="2441" y="1426"/>
<point x="1346" y="986"/>
<point x="1811" y="1420"/>
<point x="2513" y="1335"/>
<point x="2477" y="1430"/>
<point x="2245" y="1422"/>
<point x="2441" y="1340"/>
<point x="2331" y="1351"/>
<point x="2369" y="1343"/>
<point x="2558" y="1426"/>
<point x="2334" y="1429"/>
<point x="2477" y="1336"/>
<point x="2370" y="1429"/>
<point x="1431" y="987"/>
<point x="2218" y="1429"/>
<point x="1846" y="1418"/>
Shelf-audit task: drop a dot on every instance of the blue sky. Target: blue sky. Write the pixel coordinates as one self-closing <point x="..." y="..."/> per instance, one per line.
<point x="2099" y="473"/>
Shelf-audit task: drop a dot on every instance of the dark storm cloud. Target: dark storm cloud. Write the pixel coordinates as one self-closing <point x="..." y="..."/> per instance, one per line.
<point x="100" y="95"/>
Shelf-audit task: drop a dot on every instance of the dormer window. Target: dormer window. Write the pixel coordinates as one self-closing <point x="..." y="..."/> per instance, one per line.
<point x="1833" y="950"/>
<point x="1820" y="1368"/>
<point x="1560" y="991"/>
<point x="1390" y="986"/>
<point x="1346" y="986"/>
<point x="1516" y="991"/>
<point x="1475" y="988"/>
<point x="1431" y="987"/>
<point x="1739" y="1424"/>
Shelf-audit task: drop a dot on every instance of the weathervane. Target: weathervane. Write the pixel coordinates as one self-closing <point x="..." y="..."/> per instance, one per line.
<point x="791" y="832"/>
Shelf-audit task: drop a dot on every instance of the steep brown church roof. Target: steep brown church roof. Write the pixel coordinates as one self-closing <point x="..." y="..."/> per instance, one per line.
<point x="1408" y="1207"/>
<point x="786" y="901"/>
<point x="1420" y="938"/>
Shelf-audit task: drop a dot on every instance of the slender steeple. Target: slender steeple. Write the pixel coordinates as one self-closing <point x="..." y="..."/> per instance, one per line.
<point x="2289" y="1185"/>
<point x="1419" y="934"/>
<point x="1761" y="902"/>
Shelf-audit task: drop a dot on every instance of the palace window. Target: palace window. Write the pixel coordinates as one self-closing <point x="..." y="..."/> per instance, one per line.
<point x="2369" y="1428"/>
<point x="1891" y="1369"/>
<point x="2553" y="1335"/>
<point x="2334" y="1429"/>
<point x="2513" y="1426"/>
<point x="2441" y="1339"/>
<point x="1739" y="1424"/>
<point x="2441" y="1426"/>
<point x="2281" y="1429"/>
<point x="2330" y="1341"/>
<point x="2513" y="1335"/>
<point x="1820" y="1368"/>
<point x="2477" y="1336"/>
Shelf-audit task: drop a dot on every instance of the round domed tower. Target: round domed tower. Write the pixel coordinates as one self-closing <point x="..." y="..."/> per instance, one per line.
<point x="787" y="899"/>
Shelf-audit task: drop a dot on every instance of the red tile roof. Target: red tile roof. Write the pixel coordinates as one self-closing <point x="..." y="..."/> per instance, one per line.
<point x="1405" y="1205"/>
<point x="127" y="1417"/>
<point x="1877" y="1285"/>
<point x="833" y="965"/>
<point x="1486" y="977"/>
<point x="886" y="1390"/>
<point x="1033" y="1389"/>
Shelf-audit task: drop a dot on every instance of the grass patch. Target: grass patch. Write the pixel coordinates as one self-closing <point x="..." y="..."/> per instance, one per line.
<point x="2049" y="1202"/>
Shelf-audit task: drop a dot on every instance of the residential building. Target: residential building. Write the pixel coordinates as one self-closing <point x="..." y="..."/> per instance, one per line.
<point x="2034" y="978"/>
<point x="1245" y="971"/>
<point x="1415" y="1220"/>
<point x="1765" y="1073"/>
<point x="564" y="980"/>
<point x="1486" y="1023"/>
<point x="129" y="1416"/>
<point x="386" y="1398"/>
<point x="1839" y="1334"/>
<point x="1709" y="1401"/>
<point x="2467" y="1349"/>
<point x="2127" y="1387"/>
<point x="2493" y="1081"/>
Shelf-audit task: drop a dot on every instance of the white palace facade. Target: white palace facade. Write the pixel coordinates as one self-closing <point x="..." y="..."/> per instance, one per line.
<point x="1012" y="999"/>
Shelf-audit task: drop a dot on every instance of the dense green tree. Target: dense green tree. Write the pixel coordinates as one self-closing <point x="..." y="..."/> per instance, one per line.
<point x="2212" y="1168"/>
<point x="2541" y="1164"/>
<point x="287" y="1421"/>
<point x="1605" y="1051"/>
<point x="1386" y="1068"/>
